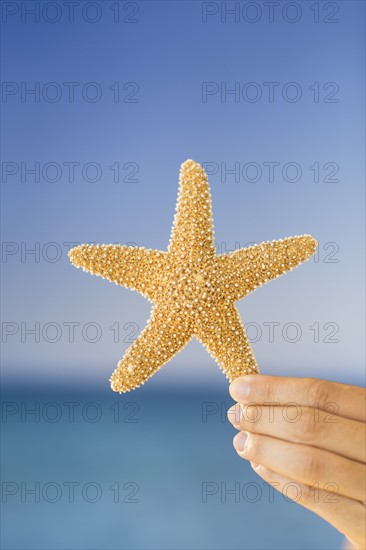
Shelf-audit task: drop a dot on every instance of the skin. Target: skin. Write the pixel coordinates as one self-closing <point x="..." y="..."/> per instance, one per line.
<point x="310" y="433"/>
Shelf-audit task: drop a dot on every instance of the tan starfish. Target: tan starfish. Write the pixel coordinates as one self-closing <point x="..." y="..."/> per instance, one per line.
<point x="193" y="289"/>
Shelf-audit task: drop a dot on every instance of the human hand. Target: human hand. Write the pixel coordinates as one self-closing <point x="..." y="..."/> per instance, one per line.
<point x="310" y="434"/>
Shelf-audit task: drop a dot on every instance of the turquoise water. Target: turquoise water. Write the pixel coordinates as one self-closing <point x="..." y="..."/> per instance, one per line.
<point x="150" y="470"/>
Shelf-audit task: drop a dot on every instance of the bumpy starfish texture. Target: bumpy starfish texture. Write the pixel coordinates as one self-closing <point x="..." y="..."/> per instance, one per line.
<point x="193" y="289"/>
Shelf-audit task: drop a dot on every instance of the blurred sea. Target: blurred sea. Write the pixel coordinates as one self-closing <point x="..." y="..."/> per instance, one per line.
<point x="146" y="470"/>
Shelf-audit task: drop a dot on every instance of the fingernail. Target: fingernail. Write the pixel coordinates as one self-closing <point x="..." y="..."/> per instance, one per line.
<point x="254" y="465"/>
<point x="240" y="441"/>
<point x="239" y="389"/>
<point x="233" y="415"/>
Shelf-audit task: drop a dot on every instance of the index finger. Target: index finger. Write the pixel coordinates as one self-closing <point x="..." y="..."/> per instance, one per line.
<point x="341" y="399"/>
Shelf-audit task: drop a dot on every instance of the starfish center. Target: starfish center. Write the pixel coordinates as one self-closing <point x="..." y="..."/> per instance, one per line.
<point x="193" y="286"/>
<point x="199" y="278"/>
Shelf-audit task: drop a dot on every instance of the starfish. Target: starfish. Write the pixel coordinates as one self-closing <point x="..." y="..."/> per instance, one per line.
<point x="192" y="289"/>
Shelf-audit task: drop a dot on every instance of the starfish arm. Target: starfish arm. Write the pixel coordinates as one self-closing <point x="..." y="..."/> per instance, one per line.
<point x="166" y="333"/>
<point x="192" y="237"/>
<point x="248" y="268"/>
<point x="223" y="335"/>
<point x="136" y="268"/>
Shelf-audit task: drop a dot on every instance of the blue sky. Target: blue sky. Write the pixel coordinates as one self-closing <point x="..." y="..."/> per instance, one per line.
<point x="162" y="62"/>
